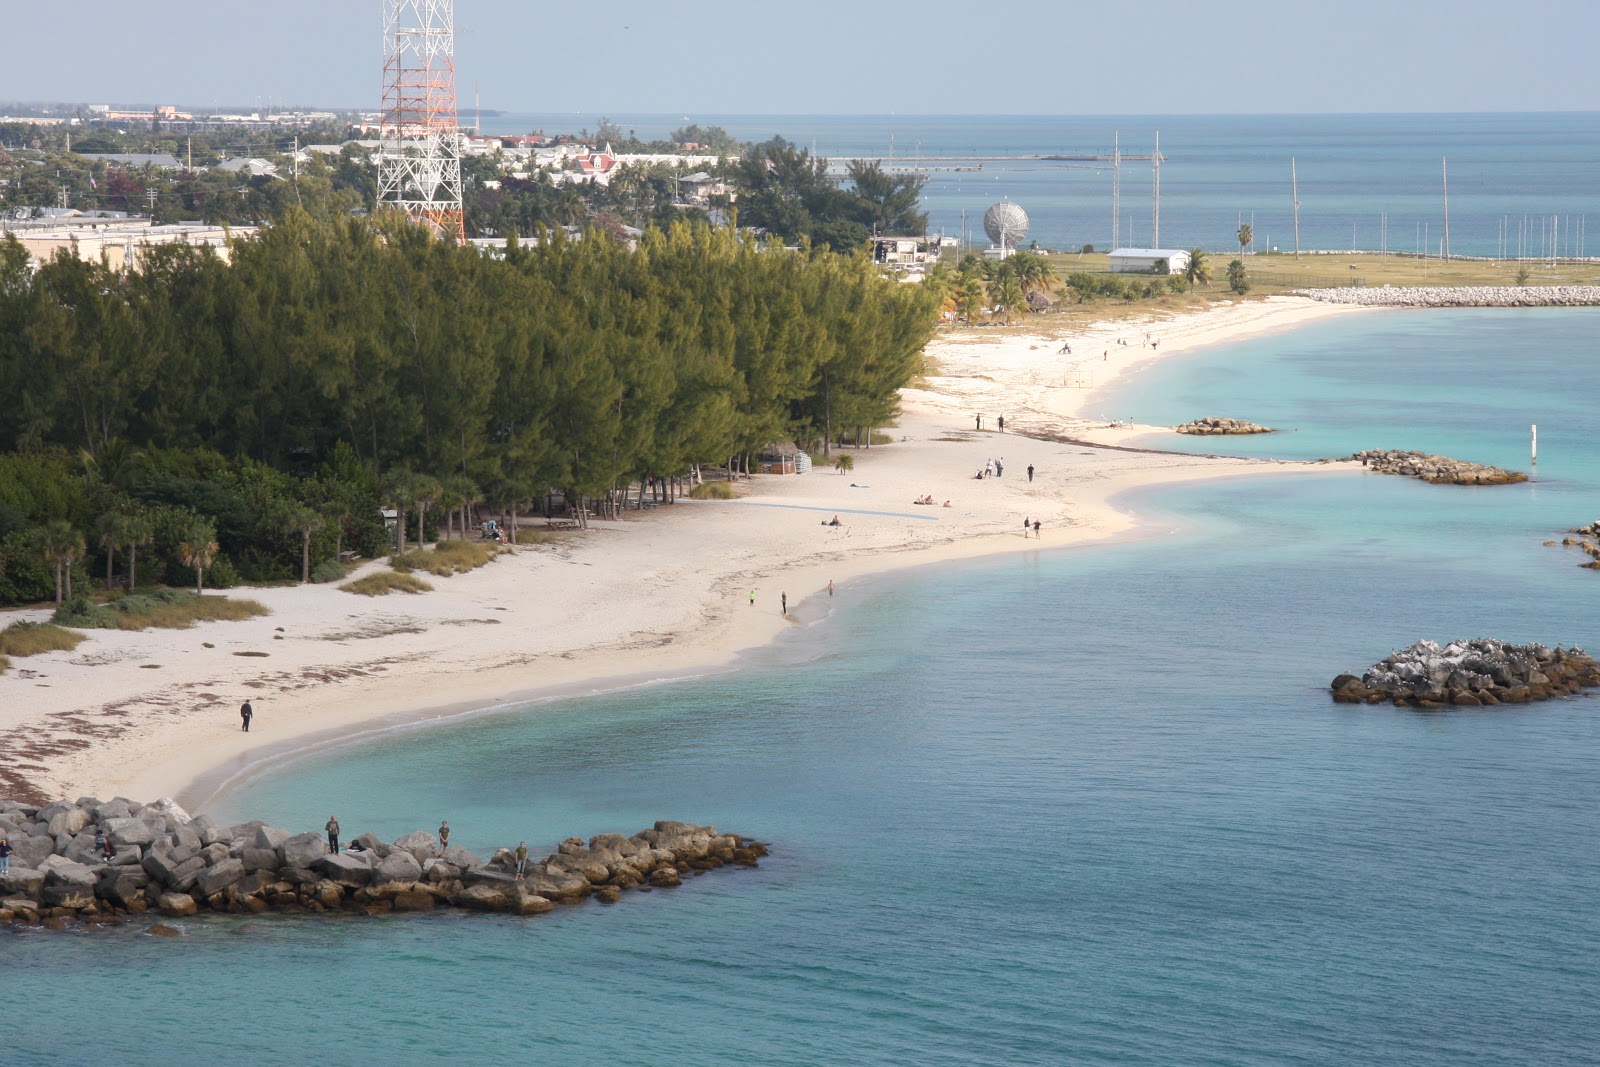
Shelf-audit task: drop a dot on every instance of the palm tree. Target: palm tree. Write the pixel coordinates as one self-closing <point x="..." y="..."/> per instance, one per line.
<point x="1246" y="236"/>
<point x="136" y="531"/>
<point x="112" y="536"/>
<point x="199" y="549"/>
<point x="305" y="521"/>
<point x="969" y="296"/>
<point x="1008" y="294"/>
<point x="1197" y="272"/>
<point x="61" y="546"/>
<point x="397" y="494"/>
<point x="1236" y="277"/>
<point x="425" y="492"/>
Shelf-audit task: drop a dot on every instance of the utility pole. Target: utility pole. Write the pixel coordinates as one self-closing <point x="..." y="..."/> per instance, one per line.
<point x="1294" y="192"/>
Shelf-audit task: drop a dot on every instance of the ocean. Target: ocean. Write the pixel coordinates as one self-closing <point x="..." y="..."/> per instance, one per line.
<point x="1078" y="806"/>
<point x="1519" y="184"/>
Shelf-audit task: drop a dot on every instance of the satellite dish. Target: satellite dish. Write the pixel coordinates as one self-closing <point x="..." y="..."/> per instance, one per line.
<point x="20" y="214"/>
<point x="1006" y="224"/>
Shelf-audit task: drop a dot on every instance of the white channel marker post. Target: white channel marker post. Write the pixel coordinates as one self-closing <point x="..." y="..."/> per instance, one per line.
<point x="1536" y="444"/>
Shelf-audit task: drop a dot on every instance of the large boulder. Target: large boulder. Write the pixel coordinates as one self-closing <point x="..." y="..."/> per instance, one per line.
<point x="132" y="831"/>
<point x="487" y="898"/>
<point x="344" y="870"/>
<point x="457" y="856"/>
<point x="68" y="873"/>
<point x="533" y="904"/>
<point x="370" y="842"/>
<point x="119" y="808"/>
<point x="76" y="897"/>
<point x="303" y="850"/>
<point x="259" y="859"/>
<point x="414" y="900"/>
<point x="269" y="837"/>
<point x="491" y="876"/>
<point x="70" y="821"/>
<point x="420" y="844"/>
<point x="220" y="876"/>
<point x="169" y="808"/>
<point x="33" y="850"/>
<point x="398" y="866"/>
<point x="123" y="886"/>
<point x="557" y="885"/>
<point x="26" y="881"/>
<point x="176" y="905"/>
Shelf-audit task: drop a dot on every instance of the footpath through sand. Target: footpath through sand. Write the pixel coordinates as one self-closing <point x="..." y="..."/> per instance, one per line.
<point x="661" y="593"/>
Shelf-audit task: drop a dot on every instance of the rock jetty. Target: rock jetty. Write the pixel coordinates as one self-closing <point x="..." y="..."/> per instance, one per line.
<point x="166" y="862"/>
<point x="1440" y="470"/>
<point x="1583" y="544"/>
<point x="1471" y="296"/>
<point x="1470" y="673"/>
<point x="1212" y="424"/>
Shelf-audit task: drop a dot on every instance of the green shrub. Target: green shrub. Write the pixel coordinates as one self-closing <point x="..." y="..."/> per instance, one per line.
<point x="221" y="574"/>
<point x="329" y="570"/>
<point x="165" y="609"/>
<point x="713" y="491"/>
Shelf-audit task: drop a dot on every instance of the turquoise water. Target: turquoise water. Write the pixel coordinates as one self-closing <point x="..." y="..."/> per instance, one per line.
<point x="1088" y="806"/>
<point x="1365" y="181"/>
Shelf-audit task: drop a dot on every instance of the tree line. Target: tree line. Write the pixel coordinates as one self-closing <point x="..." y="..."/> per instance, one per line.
<point x="275" y="400"/>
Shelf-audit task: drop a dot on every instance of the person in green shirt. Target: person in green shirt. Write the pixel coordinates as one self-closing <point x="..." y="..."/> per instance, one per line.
<point x="522" y="859"/>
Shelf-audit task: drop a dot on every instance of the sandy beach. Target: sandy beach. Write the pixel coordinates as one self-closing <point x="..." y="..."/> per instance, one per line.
<point x="662" y="593"/>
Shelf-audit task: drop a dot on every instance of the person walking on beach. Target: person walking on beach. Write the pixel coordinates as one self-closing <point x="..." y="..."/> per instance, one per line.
<point x="1035" y="528"/>
<point x="245" y="712"/>
<point x="1025" y="525"/>
<point x="333" y="834"/>
<point x="1030" y="472"/>
<point x="830" y="586"/>
<point x="522" y="859"/>
<point x="1002" y="421"/>
<point x="988" y="468"/>
<point x="752" y="598"/>
<point x="785" y="601"/>
<point x="1000" y="467"/>
<point x="444" y="836"/>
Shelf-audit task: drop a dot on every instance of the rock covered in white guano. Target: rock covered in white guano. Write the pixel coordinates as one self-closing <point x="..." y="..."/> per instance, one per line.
<point x="1484" y="671"/>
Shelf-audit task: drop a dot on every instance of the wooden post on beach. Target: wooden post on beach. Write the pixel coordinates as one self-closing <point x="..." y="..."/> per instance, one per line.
<point x="1536" y="444"/>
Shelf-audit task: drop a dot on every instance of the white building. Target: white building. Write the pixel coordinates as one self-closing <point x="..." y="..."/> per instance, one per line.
<point x="1149" y="261"/>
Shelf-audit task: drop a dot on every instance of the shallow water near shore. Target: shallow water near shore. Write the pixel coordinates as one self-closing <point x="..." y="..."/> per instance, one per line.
<point x="1082" y="806"/>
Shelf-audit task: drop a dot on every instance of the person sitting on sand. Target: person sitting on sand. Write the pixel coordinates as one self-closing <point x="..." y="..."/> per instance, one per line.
<point x="947" y="503"/>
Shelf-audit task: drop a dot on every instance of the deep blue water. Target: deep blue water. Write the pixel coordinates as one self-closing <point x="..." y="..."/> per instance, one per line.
<point x="1086" y="806"/>
<point x="1508" y="174"/>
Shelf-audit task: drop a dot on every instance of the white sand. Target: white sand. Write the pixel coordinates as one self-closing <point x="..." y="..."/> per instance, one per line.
<point x="663" y="592"/>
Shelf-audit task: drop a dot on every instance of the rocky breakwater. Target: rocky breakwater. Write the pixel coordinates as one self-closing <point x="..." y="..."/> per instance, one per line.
<point x="1213" y="424"/>
<point x="1440" y="470"/>
<point x="1470" y="673"/>
<point x="163" y="861"/>
<point x="1583" y="544"/>
<point x="1460" y="296"/>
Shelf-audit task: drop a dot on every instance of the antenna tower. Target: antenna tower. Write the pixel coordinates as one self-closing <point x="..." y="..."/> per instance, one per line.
<point x="419" y="161"/>
<point x="1116" y="188"/>
<point x="1294" y="194"/>
<point x="1155" y="194"/>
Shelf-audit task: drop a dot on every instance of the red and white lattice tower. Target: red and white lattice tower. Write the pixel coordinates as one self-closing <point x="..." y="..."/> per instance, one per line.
<point x="419" y="163"/>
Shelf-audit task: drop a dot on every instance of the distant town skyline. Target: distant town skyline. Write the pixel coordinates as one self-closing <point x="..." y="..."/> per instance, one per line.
<point x="833" y="56"/>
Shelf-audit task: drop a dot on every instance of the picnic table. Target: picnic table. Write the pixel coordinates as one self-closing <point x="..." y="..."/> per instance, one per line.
<point x="561" y="524"/>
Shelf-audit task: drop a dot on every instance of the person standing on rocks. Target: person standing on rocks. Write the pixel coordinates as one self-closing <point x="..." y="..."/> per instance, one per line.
<point x="5" y="854"/>
<point x="245" y="713"/>
<point x="333" y="834"/>
<point x="444" y="836"/>
<point x="522" y="859"/>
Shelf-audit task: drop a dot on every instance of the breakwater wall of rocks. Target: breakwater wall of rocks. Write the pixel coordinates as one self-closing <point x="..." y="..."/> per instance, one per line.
<point x="1440" y="470"/>
<point x="164" y="861"/>
<point x="1213" y="424"/>
<point x="1470" y="296"/>
<point x="1473" y="673"/>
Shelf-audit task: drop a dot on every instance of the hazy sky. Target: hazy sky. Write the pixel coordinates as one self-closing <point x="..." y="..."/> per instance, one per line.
<point x="831" y="56"/>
